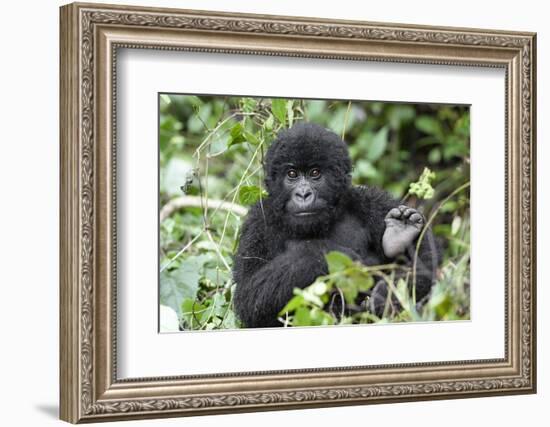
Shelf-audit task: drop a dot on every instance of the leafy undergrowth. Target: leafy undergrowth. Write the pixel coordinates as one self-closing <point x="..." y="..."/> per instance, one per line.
<point x="211" y="159"/>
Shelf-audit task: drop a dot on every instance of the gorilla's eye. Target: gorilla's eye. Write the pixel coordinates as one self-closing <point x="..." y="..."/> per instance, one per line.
<point x="315" y="173"/>
<point x="292" y="174"/>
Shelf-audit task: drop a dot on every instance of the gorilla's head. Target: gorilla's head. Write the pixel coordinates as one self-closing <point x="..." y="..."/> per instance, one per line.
<point x="307" y="172"/>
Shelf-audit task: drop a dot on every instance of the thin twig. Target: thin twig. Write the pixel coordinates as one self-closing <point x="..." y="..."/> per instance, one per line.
<point x="193" y="240"/>
<point x="346" y="120"/>
<point x="195" y="202"/>
<point x="217" y="249"/>
<point x="237" y="191"/>
<point x="427" y="225"/>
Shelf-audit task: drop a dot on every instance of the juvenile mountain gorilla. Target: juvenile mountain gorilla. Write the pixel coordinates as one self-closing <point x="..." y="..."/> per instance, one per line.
<point x="312" y="209"/>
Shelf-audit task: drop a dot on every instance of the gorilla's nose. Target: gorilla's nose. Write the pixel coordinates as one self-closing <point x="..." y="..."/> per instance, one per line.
<point x="303" y="196"/>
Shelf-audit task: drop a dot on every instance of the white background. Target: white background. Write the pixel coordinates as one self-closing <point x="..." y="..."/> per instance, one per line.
<point x="141" y="348"/>
<point x="29" y="171"/>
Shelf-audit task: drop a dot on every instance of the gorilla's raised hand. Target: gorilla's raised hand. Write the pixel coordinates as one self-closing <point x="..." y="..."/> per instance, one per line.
<point x="403" y="225"/>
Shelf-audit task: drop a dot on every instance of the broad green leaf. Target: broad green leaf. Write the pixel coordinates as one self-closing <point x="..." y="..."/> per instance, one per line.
<point x="341" y="119"/>
<point x="348" y="289"/>
<point x="434" y="156"/>
<point x="462" y="125"/>
<point x="165" y="99"/>
<point x="182" y="282"/>
<point x="302" y="317"/>
<point x="192" y="313"/>
<point x="318" y="317"/>
<point x="309" y="296"/>
<point x="365" y="168"/>
<point x="319" y="288"/>
<point x="399" y="114"/>
<point x="250" y="194"/>
<point x="236" y="135"/>
<point x="378" y="144"/>
<point x="361" y="280"/>
<point x="337" y="261"/>
<point x="196" y="122"/>
<point x="295" y="302"/>
<point x="251" y="138"/>
<point x="430" y="125"/>
<point x="278" y="108"/>
<point x="315" y="110"/>
<point x="248" y="105"/>
<point x="230" y="321"/>
<point x="454" y="147"/>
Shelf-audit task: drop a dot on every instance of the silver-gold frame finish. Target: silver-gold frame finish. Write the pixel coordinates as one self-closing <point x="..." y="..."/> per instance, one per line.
<point x="90" y="37"/>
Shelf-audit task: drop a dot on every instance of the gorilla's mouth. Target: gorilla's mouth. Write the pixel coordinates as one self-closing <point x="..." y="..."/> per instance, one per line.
<point x="305" y="213"/>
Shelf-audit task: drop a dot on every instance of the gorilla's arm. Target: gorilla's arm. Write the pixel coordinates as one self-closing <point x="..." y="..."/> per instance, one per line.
<point x="265" y="281"/>
<point x="375" y="205"/>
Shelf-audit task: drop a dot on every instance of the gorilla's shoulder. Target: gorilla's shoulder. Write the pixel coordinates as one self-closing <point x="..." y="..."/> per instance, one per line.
<point x="371" y="194"/>
<point x="257" y="212"/>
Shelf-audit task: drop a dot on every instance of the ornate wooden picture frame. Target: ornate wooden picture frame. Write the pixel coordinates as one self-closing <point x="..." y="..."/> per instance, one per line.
<point x="90" y="37"/>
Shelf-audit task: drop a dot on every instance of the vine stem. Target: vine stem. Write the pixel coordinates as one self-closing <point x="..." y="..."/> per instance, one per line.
<point x="193" y="240"/>
<point x="427" y="225"/>
<point x="195" y="202"/>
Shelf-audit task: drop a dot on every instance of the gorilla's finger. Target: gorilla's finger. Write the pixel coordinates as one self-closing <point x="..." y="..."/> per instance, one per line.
<point x="393" y="213"/>
<point x="416" y="218"/>
<point x="408" y="212"/>
<point x="403" y="208"/>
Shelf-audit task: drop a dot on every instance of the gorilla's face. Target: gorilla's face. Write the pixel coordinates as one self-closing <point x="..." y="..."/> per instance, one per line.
<point x="307" y="172"/>
<point x="306" y="189"/>
<point x="309" y="198"/>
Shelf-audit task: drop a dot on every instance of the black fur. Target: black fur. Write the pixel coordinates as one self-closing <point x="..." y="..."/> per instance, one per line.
<point x="278" y="252"/>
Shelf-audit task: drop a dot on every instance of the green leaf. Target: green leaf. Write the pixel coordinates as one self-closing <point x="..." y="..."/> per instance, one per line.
<point x="302" y="317"/>
<point x="236" y="135"/>
<point x="165" y="98"/>
<point x="318" y="317"/>
<point x="319" y="288"/>
<point x="400" y="114"/>
<point x="430" y="125"/>
<point x="309" y="296"/>
<point x="434" y="156"/>
<point x="182" y="282"/>
<point x="337" y="261"/>
<point x="315" y="110"/>
<point x="251" y="138"/>
<point x="248" y="105"/>
<point x="295" y="302"/>
<point x="230" y="321"/>
<point x="268" y="124"/>
<point x="196" y="123"/>
<point x="193" y="313"/>
<point x="361" y="280"/>
<point x="349" y="290"/>
<point x="454" y="147"/>
<point x="378" y="144"/>
<point x="278" y="107"/>
<point x="462" y="125"/>
<point x="250" y="194"/>
<point x="366" y="169"/>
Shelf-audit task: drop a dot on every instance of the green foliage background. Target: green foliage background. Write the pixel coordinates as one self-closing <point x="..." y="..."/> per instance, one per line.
<point x="211" y="154"/>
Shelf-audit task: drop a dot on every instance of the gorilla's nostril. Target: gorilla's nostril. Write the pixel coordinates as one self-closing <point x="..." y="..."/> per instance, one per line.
<point x="304" y="195"/>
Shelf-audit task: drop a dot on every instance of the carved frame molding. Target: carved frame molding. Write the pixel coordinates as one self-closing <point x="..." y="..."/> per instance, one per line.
<point x="90" y="37"/>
